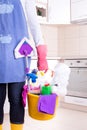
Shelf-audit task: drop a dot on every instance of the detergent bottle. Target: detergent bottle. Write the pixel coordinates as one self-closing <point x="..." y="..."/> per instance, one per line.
<point x="46" y="89"/>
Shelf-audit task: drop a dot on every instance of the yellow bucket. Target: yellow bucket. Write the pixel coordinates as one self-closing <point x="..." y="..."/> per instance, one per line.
<point x="33" y="110"/>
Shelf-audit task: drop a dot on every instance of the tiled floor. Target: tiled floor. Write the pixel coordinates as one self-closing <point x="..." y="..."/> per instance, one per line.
<point x="65" y="119"/>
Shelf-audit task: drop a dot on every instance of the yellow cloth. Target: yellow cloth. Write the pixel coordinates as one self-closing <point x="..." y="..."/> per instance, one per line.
<point x="16" y="126"/>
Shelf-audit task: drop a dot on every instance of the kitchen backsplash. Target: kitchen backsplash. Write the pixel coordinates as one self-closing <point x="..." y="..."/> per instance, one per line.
<point x="72" y="41"/>
<point x="66" y="40"/>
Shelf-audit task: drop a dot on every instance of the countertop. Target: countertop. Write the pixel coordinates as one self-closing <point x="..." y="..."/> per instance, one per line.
<point x="48" y="58"/>
<point x="63" y="57"/>
<point x="74" y="57"/>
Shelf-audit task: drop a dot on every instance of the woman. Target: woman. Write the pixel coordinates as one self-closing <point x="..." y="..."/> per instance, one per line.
<point x="13" y="27"/>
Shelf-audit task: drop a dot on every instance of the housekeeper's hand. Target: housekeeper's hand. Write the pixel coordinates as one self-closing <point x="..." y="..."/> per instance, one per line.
<point x="42" y="53"/>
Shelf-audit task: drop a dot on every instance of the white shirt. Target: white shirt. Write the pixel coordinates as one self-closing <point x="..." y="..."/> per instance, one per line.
<point x="32" y="21"/>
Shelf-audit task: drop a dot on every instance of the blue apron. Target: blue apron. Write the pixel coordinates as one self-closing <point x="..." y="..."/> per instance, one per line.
<point x="13" y="28"/>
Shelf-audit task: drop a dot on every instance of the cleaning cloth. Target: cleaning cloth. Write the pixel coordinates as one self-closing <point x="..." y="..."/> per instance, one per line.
<point x="24" y="94"/>
<point x="47" y="103"/>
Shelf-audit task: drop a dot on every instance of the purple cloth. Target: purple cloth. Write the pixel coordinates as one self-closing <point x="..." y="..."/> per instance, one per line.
<point x="24" y="94"/>
<point x="47" y="103"/>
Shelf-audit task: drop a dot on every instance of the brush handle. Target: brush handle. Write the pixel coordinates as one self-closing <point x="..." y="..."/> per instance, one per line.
<point x="26" y="64"/>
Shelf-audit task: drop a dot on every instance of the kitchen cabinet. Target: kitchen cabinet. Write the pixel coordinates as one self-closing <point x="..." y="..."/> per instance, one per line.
<point x="59" y="11"/>
<point x="78" y="11"/>
<point x="53" y="11"/>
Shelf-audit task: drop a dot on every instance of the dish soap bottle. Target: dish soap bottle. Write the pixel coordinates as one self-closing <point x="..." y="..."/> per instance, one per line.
<point x="46" y="89"/>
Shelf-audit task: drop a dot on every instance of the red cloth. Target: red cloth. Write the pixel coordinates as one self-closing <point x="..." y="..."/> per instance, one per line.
<point x="42" y="53"/>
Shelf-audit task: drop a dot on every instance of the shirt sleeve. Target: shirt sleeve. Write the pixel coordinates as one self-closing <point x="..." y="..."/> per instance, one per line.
<point x="33" y="23"/>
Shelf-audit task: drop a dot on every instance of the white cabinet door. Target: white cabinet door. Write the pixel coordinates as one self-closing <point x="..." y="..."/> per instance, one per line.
<point x="59" y="11"/>
<point x="78" y="10"/>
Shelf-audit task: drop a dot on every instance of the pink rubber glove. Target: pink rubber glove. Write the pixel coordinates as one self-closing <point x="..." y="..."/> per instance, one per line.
<point x="42" y="53"/>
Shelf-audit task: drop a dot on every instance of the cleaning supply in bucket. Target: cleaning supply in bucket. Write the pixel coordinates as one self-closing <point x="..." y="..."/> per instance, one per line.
<point x="46" y="89"/>
<point x="34" y="87"/>
<point x="61" y="78"/>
